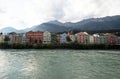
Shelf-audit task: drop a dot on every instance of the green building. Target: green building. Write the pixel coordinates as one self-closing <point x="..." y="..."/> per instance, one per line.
<point x="87" y="39"/>
<point x="53" y="38"/>
<point x="102" y="39"/>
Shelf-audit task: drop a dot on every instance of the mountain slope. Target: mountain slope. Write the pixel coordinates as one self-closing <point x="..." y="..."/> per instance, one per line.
<point x="51" y="27"/>
<point x="8" y="30"/>
<point x="105" y="24"/>
<point x="94" y="24"/>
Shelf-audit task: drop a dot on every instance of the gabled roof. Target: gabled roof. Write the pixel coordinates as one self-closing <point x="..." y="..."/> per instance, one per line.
<point x="83" y="33"/>
<point x="12" y="33"/>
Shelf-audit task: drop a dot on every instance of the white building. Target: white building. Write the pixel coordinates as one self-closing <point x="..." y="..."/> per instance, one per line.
<point x="46" y="37"/>
<point x="96" y="38"/>
<point x="63" y="39"/>
<point x="23" y="38"/>
<point x="118" y="41"/>
<point x="10" y="35"/>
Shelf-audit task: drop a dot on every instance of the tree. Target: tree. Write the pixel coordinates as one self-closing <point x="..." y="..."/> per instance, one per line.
<point x="1" y="33"/>
<point x="68" y="39"/>
<point x="6" y="39"/>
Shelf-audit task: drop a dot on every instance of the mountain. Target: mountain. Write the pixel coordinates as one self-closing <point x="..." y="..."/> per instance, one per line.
<point x="99" y="24"/>
<point x="51" y="26"/>
<point x="105" y="24"/>
<point x="8" y="30"/>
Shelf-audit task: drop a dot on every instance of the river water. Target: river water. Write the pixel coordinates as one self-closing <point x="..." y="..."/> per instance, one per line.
<point x="59" y="64"/>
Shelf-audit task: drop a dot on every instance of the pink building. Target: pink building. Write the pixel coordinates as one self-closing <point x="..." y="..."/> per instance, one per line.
<point x="111" y="38"/>
<point x="82" y="37"/>
<point x="34" y="37"/>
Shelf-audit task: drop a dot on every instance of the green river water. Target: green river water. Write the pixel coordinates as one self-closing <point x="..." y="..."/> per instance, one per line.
<point x="59" y="64"/>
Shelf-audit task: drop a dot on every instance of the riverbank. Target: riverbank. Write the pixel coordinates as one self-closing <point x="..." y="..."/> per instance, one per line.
<point x="63" y="46"/>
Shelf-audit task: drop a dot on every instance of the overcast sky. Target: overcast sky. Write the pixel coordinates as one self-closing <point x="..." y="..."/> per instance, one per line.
<point x="22" y="14"/>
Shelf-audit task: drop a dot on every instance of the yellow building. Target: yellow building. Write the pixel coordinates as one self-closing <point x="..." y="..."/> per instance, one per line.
<point x="73" y="38"/>
<point x="2" y="37"/>
<point x="91" y="39"/>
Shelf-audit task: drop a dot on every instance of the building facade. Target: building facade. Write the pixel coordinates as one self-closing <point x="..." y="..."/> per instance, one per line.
<point x="102" y="39"/>
<point x="91" y="38"/>
<point x="17" y="38"/>
<point x="96" y="38"/>
<point x="2" y="38"/>
<point x="10" y="35"/>
<point x="118" y="40"/>
<point x="53" y="38"/>
<point x="23" y="38"/>
<point x="72" y="37"/>
<point x="46" y="37"/>
<point x="87" y="39"/>
<point x="111" y="38"/>
<point x="58" y="39"/>
<point x="34" y="37"/>
<point x="82" y="38"/>
<point x="63" y="39"/>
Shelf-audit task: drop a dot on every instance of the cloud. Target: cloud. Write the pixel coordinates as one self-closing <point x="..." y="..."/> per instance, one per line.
<point x="58" y="8"/>
<point x="80" y="9"/>
<point x="26" y="13"/>
<point x="2" y="11"/>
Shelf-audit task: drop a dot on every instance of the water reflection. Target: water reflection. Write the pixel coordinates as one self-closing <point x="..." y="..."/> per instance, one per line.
<point x="29" y="67"/>
<point x="4" y="62"/>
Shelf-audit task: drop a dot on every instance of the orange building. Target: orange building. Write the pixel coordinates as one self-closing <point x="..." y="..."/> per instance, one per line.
<point x="34" y="37"/>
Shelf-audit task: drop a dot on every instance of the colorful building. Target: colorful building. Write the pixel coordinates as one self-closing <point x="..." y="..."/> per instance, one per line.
<point x="46" y="37"/>
<point x="2" y="38"/>
<point x="82" y="38"/>
<point x="63" y="39"/>
<point x="34" y="37"/>
<point x="118" y="40"/>
<point x="23" y="38"/>
<point x="53" y="38"/>
<point x="58" y="39"/>
<point x="102" y="39"/>
<point x="10" y="35"/>
<point x="17" y="38"/>
<point x="72" y="37"/>
<point x="111" y="38"/>
<point x="91" y="38"/>
<point x="96" y="38"/>
<point x="87" y="39"/>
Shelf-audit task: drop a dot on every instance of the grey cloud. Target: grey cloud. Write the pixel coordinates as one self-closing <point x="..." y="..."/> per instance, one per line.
<point x="37" y="11"/>
<point x="98" y="2"/>
<point x="2" y="11"/>
<point x="58" y="13"/>
<point x="106" y="7"/>
<point x="58" y="8"/>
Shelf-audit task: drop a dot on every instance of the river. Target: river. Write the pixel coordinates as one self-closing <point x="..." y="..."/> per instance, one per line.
<point x="59" y="64"/>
